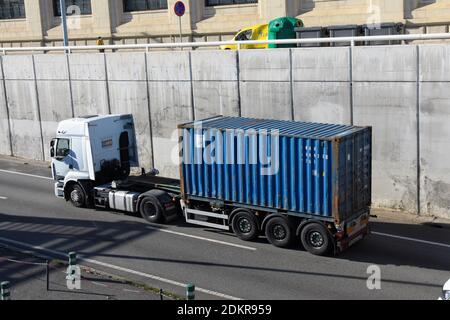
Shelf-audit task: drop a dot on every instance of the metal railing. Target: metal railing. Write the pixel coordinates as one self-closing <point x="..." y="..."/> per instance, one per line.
<point x="239" y="44"/>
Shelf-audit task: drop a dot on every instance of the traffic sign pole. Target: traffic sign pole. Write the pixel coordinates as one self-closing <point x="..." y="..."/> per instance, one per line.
<point x="180" y="10"/>
<point x="181" y="33"/>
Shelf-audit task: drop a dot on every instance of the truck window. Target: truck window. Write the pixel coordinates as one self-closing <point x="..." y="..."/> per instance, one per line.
<point x="62" y="147"/>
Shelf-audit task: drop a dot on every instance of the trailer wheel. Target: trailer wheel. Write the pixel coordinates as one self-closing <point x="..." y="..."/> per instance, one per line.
<point x="315" y="239"/>
<point x="279" y="232"/>
<point x="151" y="210"/>
<point x="77" y="196"/>
<point x="245" y="225"/>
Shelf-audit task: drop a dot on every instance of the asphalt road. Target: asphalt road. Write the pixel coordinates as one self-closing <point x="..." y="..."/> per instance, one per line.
<point x="221" y="266"/>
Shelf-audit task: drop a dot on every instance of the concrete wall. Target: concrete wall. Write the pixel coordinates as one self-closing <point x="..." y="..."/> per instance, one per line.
<point x="402" y="91"/>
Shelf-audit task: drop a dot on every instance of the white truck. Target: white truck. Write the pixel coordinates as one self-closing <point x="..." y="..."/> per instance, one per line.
<point x="91" y="161"/>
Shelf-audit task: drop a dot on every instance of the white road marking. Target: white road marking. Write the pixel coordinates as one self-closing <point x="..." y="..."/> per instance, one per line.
<point x="118" y="268"/>
<point x="99" y="284"/>
<point x="134" y="291"/>
<point x="3" y="198"/>
<point x="25" y="174"/>
<point x="202" y="238"/>
<point x="412" y="239"/>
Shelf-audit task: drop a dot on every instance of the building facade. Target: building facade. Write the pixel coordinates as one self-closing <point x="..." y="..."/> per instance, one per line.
<point x="38" y="22"/>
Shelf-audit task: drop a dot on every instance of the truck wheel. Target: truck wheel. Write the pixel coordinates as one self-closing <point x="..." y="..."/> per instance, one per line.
<point x="77" y="196"/>
<point x="279" y="232"/>
<point x="245" y="225"/>
<point x="315" y="239"/>
<point x="151" y="210"/>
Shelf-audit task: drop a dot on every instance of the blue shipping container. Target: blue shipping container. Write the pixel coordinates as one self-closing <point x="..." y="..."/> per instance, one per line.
<point x="296" y="167"/>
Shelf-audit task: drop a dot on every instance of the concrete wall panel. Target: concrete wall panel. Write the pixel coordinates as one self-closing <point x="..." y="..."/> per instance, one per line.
<point x="168" y="66"/>
<point x="264" y="65"/>
<point x="269" y="100"/>
<point x="390" y="108"/>
<point x="214" y="65"/>
<point x="54" y="99"/>
<point x="216" y="98"/>
<point x="87" y="66"/>
<point x="128" y="66"/>
<point x="385" y="63"/>
<point x="170" y="106"/>
<point x="131" y="97"/>
<point x="4" y="128"/>
<point x="323" y="102"/>
<point x="51" y="67"/>
<point x="18" y="67"/>
<point x="25" y="126"/>
<point x="434" y="62"/>
<point x="89" y="98"/>
<point x="321" y="64"/>
<point x="435" y="148"/>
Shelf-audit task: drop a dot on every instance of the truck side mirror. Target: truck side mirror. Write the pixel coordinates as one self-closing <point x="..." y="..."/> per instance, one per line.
<point x="52" y="148"/>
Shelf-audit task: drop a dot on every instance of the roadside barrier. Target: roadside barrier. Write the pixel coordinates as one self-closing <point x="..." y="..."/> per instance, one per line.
<point x="4" y="291"/>
<point x="190" y="292"/>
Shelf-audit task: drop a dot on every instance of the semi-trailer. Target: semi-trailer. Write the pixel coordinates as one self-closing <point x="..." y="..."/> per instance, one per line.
<point x="283" y="179"/>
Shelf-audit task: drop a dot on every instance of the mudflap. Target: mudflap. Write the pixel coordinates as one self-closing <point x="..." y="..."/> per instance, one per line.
<point x="347" y="242"/>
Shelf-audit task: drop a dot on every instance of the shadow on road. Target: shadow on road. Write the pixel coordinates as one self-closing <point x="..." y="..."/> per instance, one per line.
<point x="384" y="250"/>
<point x="98" y="240"/>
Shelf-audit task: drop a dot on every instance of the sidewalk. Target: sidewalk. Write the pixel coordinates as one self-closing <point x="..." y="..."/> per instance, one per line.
<point x="28" y="281"/>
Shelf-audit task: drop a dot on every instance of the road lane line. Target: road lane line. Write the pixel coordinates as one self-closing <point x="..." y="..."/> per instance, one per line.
<point x="99" y="284"/>
<point x="134" y="291"/>
<point x="412" y="239"/>
<point x="3" y="198"/>
<point x="25" y="174"/>
<point x="118" y="268"/>
<point x="202" y="238"/>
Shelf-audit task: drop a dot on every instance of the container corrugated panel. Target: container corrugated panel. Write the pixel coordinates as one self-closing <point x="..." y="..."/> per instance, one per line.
<point x="297" y="167"/>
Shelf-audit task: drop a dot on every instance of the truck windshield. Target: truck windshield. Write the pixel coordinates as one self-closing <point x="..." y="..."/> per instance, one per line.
<point x="62" y="147"/>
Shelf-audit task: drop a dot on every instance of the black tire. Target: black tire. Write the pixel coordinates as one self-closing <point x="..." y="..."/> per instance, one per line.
<point x="77" y="196"/>
<point x="279" y="232"/>
<point x="151" y="210"/>
<point x="245" y="225"/>
<point x="316" y="239"/>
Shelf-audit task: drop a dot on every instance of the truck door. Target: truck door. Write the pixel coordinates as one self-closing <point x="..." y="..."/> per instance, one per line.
<point x="62" y="159"/>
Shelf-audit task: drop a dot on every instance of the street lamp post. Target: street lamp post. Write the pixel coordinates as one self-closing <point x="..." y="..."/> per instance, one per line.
<point x="64" y="22"/>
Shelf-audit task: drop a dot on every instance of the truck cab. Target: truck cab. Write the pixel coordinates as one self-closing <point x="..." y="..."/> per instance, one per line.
<point x="92" y="158"/>
<point x="93" y="148"/>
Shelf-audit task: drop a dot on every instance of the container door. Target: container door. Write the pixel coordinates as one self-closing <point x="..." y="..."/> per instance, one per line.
<point x="355" y="172"/>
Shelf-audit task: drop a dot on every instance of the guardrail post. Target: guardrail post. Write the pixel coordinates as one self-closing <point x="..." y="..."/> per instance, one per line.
<point x="190" y="292"/>
<point x="47" y="272"/>
<point x="5" y="293"/>
<point x="72" y="258"/>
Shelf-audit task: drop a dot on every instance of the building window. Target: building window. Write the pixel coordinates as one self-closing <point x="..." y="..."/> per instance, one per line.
<point x="12" y="9"/>
<point x="144" y="5"/>
<point x="210" y="3"/>
<point x="72" y="7"/>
